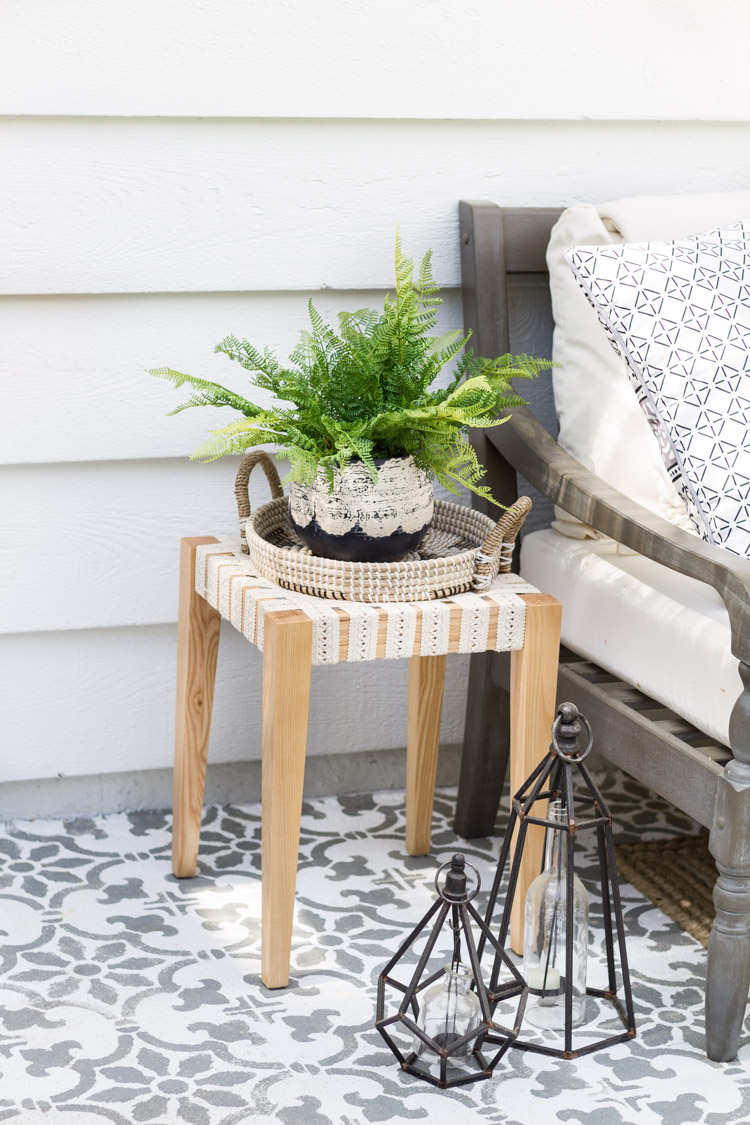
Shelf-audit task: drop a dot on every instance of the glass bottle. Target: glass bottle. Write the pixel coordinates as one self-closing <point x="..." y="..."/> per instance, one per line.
<point x="448" y="1012"/>
<point x="544" y="960"/>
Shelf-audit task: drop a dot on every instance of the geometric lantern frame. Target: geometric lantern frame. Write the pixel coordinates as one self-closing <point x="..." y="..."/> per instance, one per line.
<point x="453" y="909"/>
<point x="553" y="780"/>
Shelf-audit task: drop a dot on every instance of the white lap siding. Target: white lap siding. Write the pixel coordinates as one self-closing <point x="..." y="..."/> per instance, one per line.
<point x="174" y="172"/>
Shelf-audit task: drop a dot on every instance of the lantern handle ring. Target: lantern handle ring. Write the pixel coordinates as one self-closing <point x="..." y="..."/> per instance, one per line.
<point x="581" y="755"/>
<point x="447" y="898"/>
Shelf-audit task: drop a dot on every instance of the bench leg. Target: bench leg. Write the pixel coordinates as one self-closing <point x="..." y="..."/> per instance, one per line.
<point x="287" y="660"/>
<point x="533" y="691"/>
<point x="728" y="967"/>
<point x="484" y="756"/>
<point x="197" y="648"/>
<point x="728" y="964"/>
<point x="426" y="676"/>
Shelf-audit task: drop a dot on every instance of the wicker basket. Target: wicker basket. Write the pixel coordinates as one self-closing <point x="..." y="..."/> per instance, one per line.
<point x="463" y="550"/>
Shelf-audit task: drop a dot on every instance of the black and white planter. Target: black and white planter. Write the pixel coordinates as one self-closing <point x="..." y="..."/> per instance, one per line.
<point x="360" y="521"/>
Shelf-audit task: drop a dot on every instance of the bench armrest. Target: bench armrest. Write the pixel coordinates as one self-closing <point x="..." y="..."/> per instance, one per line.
<point x="525" y="443"/>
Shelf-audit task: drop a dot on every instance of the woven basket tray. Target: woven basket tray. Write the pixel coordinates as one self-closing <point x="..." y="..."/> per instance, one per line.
<point x="463" y="550"/>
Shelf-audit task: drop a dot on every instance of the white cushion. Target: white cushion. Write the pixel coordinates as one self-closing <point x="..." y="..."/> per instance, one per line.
<point x="678" y="312"/>
<point x="600" y="422"/>
<point x="664" y="633"/>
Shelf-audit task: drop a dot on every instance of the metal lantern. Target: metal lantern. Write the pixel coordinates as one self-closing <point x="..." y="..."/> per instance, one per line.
<point x="556" y="908"/>
<point x="446" y="1012"/>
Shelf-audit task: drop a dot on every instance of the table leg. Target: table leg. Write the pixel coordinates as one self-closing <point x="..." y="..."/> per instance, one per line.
<point x="287" y="660"/>
<point x="533" y="693"/>
<point x="426" y="676"/>
<point x="197" y="648"/>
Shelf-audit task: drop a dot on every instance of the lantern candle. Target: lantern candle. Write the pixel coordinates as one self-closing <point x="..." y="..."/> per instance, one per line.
<point x="544" y="980"/>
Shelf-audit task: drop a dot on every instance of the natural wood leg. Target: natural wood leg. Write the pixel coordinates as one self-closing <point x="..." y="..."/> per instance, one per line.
<point x="197" y="648"/>
<point x="484" y="756"/>
<point x="533" y="689"/>
<point x="426" y="676"/>
<point x="287" y="660"/>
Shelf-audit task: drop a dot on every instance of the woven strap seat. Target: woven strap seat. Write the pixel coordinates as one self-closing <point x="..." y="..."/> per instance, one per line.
<point x="493" y="619"/>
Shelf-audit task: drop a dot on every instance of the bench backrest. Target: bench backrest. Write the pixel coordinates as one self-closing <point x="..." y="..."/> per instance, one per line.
<point x="506" y="304"/>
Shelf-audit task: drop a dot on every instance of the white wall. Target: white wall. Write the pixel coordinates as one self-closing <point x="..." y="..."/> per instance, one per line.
<point x="172" y="171"/>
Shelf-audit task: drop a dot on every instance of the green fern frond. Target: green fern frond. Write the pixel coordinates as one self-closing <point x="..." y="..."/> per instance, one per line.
<point x="235" y="438"/>
<point x="212" y="394"/>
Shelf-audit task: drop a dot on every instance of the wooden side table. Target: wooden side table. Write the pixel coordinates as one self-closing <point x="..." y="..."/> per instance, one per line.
<point x="296" y="630"/>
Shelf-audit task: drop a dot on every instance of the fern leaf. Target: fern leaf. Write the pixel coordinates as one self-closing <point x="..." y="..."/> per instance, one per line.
<point x="212" y="394"/>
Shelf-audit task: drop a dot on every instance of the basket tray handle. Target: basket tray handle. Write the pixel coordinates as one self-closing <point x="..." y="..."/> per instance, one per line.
<point x="241" y="486"/>
<point x="496" y="553"/>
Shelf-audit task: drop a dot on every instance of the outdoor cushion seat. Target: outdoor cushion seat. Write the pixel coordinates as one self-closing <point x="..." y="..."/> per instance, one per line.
<point x="613" y="599"/>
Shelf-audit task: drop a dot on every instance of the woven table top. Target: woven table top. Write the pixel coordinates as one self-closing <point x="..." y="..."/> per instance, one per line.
<point x="494" y="619"/>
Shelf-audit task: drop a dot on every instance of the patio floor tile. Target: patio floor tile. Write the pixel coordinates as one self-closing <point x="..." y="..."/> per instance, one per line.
<point x="129" y="996"/>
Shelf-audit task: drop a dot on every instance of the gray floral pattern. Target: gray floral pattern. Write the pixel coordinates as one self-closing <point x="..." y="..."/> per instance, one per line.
<point x="127" y="995"/>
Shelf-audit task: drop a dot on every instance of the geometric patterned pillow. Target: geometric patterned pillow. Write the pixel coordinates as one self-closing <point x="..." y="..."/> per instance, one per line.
<point x="679" y="314"/>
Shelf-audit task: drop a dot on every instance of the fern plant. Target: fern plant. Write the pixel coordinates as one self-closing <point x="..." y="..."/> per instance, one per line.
<point x="364" y="392"/>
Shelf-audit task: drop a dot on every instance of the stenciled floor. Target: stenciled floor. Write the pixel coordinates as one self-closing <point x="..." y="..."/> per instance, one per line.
<point x="129" y="996"/>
